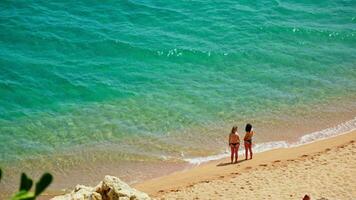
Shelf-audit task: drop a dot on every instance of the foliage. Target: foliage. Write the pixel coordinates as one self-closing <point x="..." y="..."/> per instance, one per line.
<point x="26" y="184"/>
<point x="24" y="192"/>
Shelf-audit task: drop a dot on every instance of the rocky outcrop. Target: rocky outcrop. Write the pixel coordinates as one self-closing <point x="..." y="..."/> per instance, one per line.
<point x="111" y="188"/>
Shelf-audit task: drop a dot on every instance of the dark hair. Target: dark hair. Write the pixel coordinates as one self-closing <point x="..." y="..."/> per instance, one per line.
<point x="234" y="129"/>
<point x="248" y="127"/>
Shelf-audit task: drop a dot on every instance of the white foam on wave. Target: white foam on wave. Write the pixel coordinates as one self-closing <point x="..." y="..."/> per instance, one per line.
<point x="340" y="129"/>
<point x="199" y="160"/>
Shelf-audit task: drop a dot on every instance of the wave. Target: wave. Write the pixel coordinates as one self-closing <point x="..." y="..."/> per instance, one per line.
<point x="340" y="129"/>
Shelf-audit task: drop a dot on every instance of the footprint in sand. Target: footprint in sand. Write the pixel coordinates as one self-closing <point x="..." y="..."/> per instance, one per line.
<point x="190" y="185"/>
<point x="276" y="161"/>
<point x="263" y="165"/>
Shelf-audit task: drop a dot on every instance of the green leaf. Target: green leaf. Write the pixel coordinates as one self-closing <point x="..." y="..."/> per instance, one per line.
<point x="23" y="195"/>
<point x="43" y="183"/>
<point x="26" y="183"/>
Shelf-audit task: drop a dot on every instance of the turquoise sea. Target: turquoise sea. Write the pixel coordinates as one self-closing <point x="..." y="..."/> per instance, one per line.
<point x="130" y="83"/>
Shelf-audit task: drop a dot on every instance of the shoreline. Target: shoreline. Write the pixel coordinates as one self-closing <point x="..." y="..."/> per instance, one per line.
<point x="340" y="129"/>
<point x="221" y="169"/>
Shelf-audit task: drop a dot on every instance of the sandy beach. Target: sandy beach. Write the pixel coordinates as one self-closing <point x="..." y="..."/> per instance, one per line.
<point x="112" y="97"/>
<point x="324" y="170"/>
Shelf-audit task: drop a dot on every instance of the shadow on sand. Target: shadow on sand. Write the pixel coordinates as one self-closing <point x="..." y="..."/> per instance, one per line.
<point x="229" y="163"/>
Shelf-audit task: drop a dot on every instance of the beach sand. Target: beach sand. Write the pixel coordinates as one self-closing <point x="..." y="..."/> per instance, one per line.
<point x="324" y="169"/>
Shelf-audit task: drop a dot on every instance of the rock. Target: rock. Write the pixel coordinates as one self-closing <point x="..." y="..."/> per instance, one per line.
<point x="111" y="188"/>
<point x="80" y="192"/>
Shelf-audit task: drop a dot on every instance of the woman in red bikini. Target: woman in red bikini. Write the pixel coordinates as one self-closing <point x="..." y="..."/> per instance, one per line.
<point x="234" y="143"/>
<point x="248" y="140"/>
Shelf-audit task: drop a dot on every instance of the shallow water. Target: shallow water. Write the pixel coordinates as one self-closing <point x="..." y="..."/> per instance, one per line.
<point x="138" y="81"/>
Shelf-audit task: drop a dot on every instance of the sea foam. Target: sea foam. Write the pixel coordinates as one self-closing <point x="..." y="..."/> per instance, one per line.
<point x="340" y="129"/>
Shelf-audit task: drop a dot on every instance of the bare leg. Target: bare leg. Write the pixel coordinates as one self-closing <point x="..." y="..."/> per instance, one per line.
<point x="246" y="151"/>
<point x="250" y="148"/>
<point x="237" y="153"/>
<point x="232" y="154"/>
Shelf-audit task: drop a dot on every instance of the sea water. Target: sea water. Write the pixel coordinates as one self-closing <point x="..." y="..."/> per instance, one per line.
<point x="164" y="81"/>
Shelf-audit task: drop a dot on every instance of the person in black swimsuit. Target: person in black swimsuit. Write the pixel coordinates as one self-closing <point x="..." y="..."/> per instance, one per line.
<point x="248" y="140"/>
<point x="234" y="143"/>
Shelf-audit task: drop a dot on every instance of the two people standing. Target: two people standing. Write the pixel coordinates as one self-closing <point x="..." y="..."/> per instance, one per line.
<point x="234" y="142"/>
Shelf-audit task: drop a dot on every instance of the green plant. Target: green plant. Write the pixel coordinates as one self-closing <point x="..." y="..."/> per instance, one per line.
<point x="24" y="192"/>
<point x="26" y="184"/>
